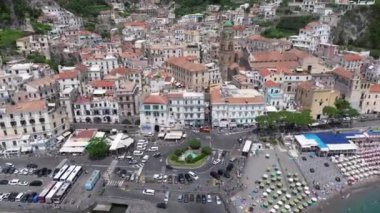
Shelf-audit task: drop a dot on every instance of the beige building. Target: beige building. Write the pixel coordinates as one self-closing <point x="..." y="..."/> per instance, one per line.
<point x="29" y="120"/>
<point x="315" y="97"/>
<point x="34" y="44"/>
<point x="371" y="100"/>
<point x="191" y="75"/>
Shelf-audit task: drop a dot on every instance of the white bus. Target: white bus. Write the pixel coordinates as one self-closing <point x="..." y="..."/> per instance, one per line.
<point x="60" y="172"/>
<point x="67" y="173"/>
<point x="61" y="193"/>
<point x="74" y="175"/>
<point x="53" y="191"/>
<point x="246" y="148"/>
<point x="45" y="192"/>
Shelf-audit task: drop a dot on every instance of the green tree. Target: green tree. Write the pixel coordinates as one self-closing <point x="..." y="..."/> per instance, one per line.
<point x="195" y="144"/>
<point x="189" y="159"/>
<point x="97" y="148"/>
<point x="330" y="112"/>
<point x="342" y="104"/>
<point x="206" y="150"/>
<point x="178" y="152"/>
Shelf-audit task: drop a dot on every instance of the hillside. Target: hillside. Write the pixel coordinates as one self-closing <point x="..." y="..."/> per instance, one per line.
<point x="13" y="12"/>
<point x="84" y="8"/>
<point x="359" y="28"/>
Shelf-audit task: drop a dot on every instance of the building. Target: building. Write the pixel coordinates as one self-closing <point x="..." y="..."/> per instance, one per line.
<point x="274" y="95"/>
<point x="157" y="54"/>
<point x="311" y="36"/>
<point x="127" y="96"/>
<point x="96" y="109"/>
<point x="233" y="107"/>
<point x="351" y="62"/>
<point x="172" y="110"/>
<point x="314" y="97"/>
<point x="43" y="88"/>
<point x="371" y="100"/>
<point x="226" y="50"/>
<point x="34" y="44"/>
<point x="257" y="43"/>
<point x="36" y="119"/>
<point x="192" y="76"/>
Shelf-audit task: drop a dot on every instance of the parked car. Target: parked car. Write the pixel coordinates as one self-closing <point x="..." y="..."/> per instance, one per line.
<point x="186" y="198"/>
<point x="204" y="200"/>
<point x="14" y="182"/>
<point x="157" y="155"/>
<point x="216" y="161"/>
<point x="191" y="197"/>
<point x="193" y="175"/>
<point x="215" y="175"/>
<point x="23" y="183"/>
<point x="148" y="192"/>
<point x="221" y="171"/>
<point x="209" y="198"/>
<point x="198" y="198"/>
<point x="226" y="175"/>
<point x="188" y="178"/>
<point x="180" y="198"/>
<point x="161" y="205"/>
<point x="4" y="182"/>
<point x="145" y="158"/>
<point x="137" y="152"/>
<point x="181" y="178"/>
<point x="229" y="167"/>
<point x="218" y="200"/>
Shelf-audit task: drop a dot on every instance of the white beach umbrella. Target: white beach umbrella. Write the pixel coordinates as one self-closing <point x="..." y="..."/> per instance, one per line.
<point x="269" y="191"/>
<point x="306" y="188"/>
<point x="314" y="199"/>
<point x="276" y="207"/>
<point x="272" y="211"/>
<point x="307" y="192"/>
<point x="288" y="196"/>
<point x="287" y="206"/>
<point x="280" y="203"/>
<point x="265" y="194"/>
<point x="279" y="192"/>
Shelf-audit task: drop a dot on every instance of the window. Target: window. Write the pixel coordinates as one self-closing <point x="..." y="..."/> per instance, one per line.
<point x="33" y="129"/>
<point x="25" y="130"/>
<point x="32" y="121"/>
<point x="15" y="131"/>
<point x="42" y="120"/>
<point x="43" y="128"/>
<point x="5" y="133"/>
<point x="14" y="143"/>
<point x="4" y="145"/>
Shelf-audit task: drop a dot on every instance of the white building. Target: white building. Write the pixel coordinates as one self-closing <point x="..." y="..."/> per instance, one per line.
<point x="96" y="109"/>
<point x="311" y="36"/>
<point x="29" y="70"/>
<point x="31" y="120"/>
<point x="233" y="107"/>
<point x="34" y="44"/>
<point x="172" y="111"/>
<point x="106" y="63"/>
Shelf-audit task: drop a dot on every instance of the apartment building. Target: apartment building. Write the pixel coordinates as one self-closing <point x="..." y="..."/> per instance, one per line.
<point x="127" y="95"/>
<point x="172" y="110"/>
<point x="43" y="88"/>
<point x="256" y="43"/>
<point x="311" y="36"/>
<point x="233" y="107"/>
<point x="33" y="44"/>
<point x="37" y="119"/>
<point x="192" y="75"/>
<point x="351" y="62"/>
<point x="314" y="97"/>
<point x="371" y="100"/>
<point x="96" y="109"/>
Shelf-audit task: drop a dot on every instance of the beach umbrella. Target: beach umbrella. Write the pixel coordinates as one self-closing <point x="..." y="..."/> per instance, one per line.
<point x="296" y="210"/>
<point x="269" y="191"/>
<point x="309" y="202"/>
<point x="291" y="203"/>
<point x="273" y="174"/>
<point x="276" y="207"/>
<point x="279" y="178"/>
<point x="288" y="196"/>
<point x="278" y="173"/>
<point x="296" y="200"/>
<point x="268" y="169"/>
<point x="284" y="190"/>
<point x="279" y="185"/>
<point x="265" y="194"/>
<point x="272" y="211"/>
<point x="267" y="182"/>
<point x="270" y="201"/>
<point x="276" y="168"/>
<point x="273" y="179"/>
<point x="303" y="183"/>
<point x="261" y="186"/>
<point x="298" y="184"/>
<point x="305" y="204"/>
<point x="280" y="203"/>
<point x="314" y="199"/>
<point x="283" y="211"/>
<point x="274" y="196"/>
<point x="299" y="189"/>
<point x="295" y="192"/>
<point x="265" y="176"/>
<point x="279" y="192"/>
<point x="300" y="207"/>
<point x="307" y="192"/>
<point x="272" y="187"/>
<point x="293" y="185"/>
<point x="296" y="179"/>
<point x="265" y="205"/>
<point x="306" y="188"/>
<point x="287" y="207"/>
<point x="284" y="199"/>
<point x="290" y="180"/>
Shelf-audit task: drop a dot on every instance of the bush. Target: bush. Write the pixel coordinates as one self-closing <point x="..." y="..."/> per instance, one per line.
<point x="178" y="152"/>
<point x="206" y="150"/>
<point x="188" y="159"/>
<point x="198" y="158"/>
<point x="174" y="158"/>
<point x="195" y="144"/>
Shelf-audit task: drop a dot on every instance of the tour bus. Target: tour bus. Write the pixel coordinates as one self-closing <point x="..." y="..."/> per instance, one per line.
<point x="246" y="148"/>
<point x="53" y="191"/>
<point x="74" y="175"/>
<point x="45" y="191"/>
<point x="61" y="193"/>
<point x="67" y="173"/>
<point x="60" y="172"/>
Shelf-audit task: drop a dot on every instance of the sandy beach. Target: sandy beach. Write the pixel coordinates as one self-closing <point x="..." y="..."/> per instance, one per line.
<point x="337" y="197"/>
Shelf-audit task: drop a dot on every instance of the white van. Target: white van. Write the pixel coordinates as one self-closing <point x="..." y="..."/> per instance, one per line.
<point x="19" y="196"/>
<point x="145" y="158"/>
<point x="167" y="196"/>
<point x="14" y="182"/>
<point x="138" y="152"/>
<point x="153" y="149"/>
<point x="148" y="192"/>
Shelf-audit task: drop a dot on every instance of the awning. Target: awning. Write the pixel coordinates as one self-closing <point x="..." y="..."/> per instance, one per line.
<point x="26" y="149"/>
<point x="60" y="138"/>
<point x="65" y="134"/>
<point x="72" y="150"/>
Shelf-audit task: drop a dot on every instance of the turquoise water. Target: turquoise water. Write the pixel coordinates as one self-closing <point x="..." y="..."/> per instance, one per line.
<point x="365" y="201"/>
<point x="316" y="138"/>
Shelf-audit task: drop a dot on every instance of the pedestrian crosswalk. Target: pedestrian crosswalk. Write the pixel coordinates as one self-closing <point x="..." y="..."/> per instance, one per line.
<point x="137" y="166"/>
<point x="115" y="183"/>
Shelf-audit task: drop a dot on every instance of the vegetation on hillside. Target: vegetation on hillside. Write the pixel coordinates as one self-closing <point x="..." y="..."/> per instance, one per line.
<point x="84" y="8"/>
<point x="14" y="12"/>
<point x="360" y="28"/>
<point x="288" y="25"/>
<point x="8" y="40"/>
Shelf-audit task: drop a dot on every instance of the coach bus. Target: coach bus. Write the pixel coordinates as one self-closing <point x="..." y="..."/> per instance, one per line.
<point x="246" y="148"/>
<point x="45" y="191"/>
<point x="67" y="173"/>
<point x="60" y="172"/>
<point x="61" y="193"/>
<point x="74" y="175"/>
<point x="53" y="191"/>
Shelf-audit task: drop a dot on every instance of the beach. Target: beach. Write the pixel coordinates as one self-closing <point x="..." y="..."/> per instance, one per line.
<point x="363" y="197"/>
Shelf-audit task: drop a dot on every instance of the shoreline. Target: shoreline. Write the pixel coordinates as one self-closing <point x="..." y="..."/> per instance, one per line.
<point x="347" y="191"/>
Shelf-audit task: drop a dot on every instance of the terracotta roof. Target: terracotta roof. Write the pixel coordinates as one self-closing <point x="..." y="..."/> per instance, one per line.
<point x="84" y="133"/>
<point x="312" y="24"/>
<point x="215" y="96"/>
<point x="258" y="37"/>
<point x="274" y="56"/>
<point x="102" y="83"/>
<point x="374" y="88"/>
<point x="174" y="95"/>
<point x="299" y="53"/>
<point x="343" y="73"/>
<point x="271" y="83"/>
<point x="156" y="99"/>
<point x="306" y="85"/>
<point x="129" y="55"/>
<point x="264" y="72"/>
<point x="283" y="64"/>
<point x="352" y="57"/>
<point x="27" y="106"/>
<point x="185" y="64"/>
<point x="119" y="70"/>
<point x="238" y="27"/>
<point x="240" y="78"/>
<point x="82" y="100"/>
<point x="42" y="81"/>
<point x="247" y="100"/>
<point x="136" y="24"/>
<point x="68" y="74"/>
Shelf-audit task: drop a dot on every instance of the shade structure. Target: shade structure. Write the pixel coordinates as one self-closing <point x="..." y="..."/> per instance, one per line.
<point x="276" y="207"/>
<point x="265" y="194"/>
<point x="279" y="192"/>
<point x="288" y="196"/>
<point x="268" y="190"/>
<point x="280" y="203"/>
<point x="314" y="199"/>
<point x="307" y="192"/>
<point x="287" y="207"/>
<point x="270" y="201"/>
